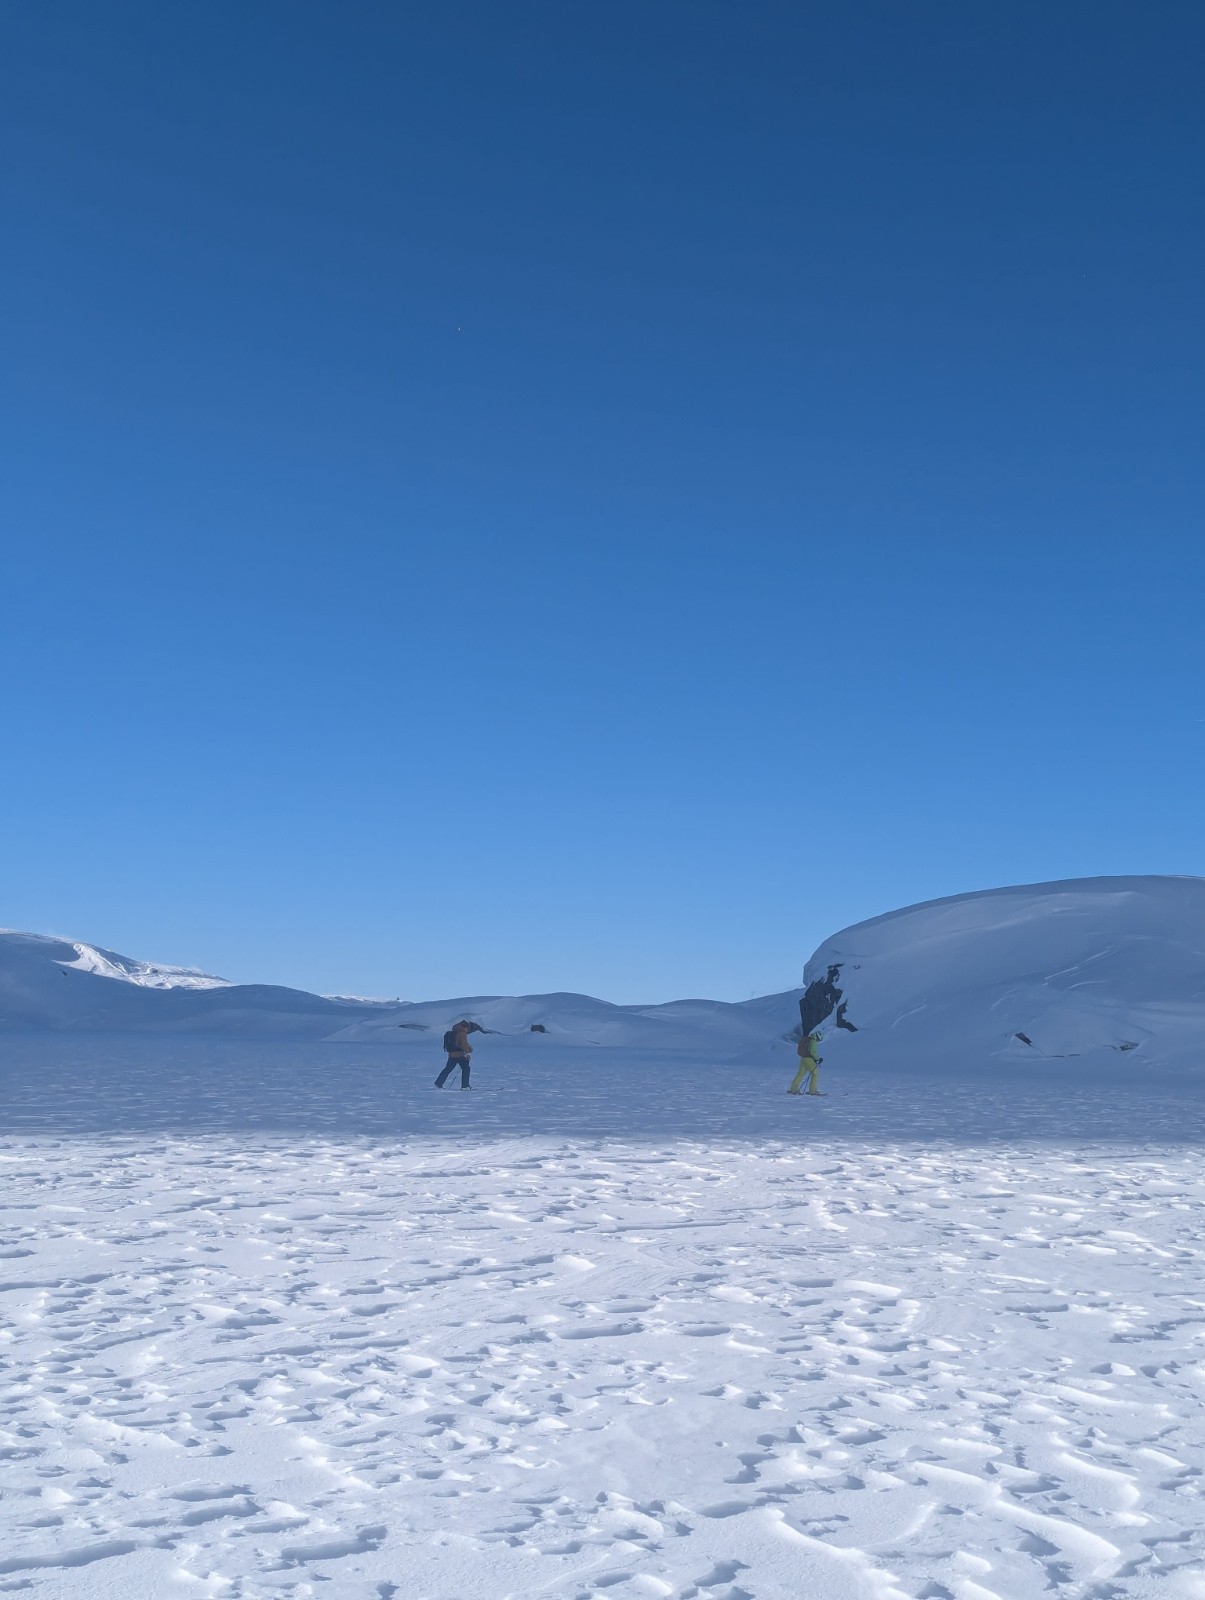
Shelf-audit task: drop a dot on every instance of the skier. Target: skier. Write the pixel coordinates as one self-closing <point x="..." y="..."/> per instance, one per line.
<point x="821" y="1009"/>
<point x="460" y="1051"/>
<point x="809" y="1065"/>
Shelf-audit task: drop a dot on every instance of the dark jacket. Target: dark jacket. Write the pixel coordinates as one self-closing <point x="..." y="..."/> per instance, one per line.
<point x="820" y="999"/>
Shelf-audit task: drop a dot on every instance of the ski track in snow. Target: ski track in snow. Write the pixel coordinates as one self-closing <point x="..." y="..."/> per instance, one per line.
<point x="810" y="1361"/>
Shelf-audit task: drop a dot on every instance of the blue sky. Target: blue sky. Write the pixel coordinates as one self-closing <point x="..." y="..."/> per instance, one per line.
<point x="592" y="496"/>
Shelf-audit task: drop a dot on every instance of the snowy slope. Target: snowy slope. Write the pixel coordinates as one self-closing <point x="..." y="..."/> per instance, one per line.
<point x="1102" y="970"/>
<point x="706" y="1027"/>
<point x="60" y="984"/>
<point x="1093" y="969"/>
<point x="147" y="974"/>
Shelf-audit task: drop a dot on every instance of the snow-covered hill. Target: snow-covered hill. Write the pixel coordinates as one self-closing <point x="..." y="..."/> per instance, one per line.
<point x="65" y="984"/>
<point x="1098" y="969"/>
<point x="1104" y="970"/>
<point x="60" y="984"/>
<point x="147" y="974"/>
<point x="710" y="1028"/>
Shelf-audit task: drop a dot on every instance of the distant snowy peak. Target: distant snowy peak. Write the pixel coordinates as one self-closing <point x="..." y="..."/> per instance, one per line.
<point x="365" y="999"/>
<point x="146" y="974"/>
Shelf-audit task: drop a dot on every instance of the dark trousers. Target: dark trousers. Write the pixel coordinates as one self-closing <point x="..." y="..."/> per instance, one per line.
<point x="463" y="1063"/>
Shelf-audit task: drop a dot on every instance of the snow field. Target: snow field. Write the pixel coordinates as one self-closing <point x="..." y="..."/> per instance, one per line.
<point x="581" y="1367"/>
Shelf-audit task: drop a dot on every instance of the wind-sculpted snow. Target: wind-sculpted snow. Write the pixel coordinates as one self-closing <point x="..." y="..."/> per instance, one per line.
<point x="145" y="974"/>
<point x="1092" y="968"/>
<point x="288" y="1323"/>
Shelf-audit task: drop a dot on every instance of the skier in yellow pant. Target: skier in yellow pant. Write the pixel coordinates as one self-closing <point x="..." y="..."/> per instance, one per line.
<point x="821" y="1009"/>
<point x="809" y="1065"/>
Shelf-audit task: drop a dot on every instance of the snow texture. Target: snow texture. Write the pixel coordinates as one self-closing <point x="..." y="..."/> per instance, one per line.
<point x="281" y="1320"/>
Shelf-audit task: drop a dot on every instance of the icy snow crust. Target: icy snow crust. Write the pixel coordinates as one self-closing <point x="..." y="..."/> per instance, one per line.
<point x="281" y="1320"/>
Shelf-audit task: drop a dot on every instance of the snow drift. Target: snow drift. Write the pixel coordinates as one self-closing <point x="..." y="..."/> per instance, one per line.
<point x="1095" y="969"/>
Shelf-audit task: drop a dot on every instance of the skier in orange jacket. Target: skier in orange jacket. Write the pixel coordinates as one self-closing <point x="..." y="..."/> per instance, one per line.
<point x="460" y="1052"/>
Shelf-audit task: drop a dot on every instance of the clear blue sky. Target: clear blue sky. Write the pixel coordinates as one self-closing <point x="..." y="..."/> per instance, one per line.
<point x="504" y="497"/>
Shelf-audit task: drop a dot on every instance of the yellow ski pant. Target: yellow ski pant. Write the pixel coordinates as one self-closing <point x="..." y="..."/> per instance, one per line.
<point x="809" y="1067"/>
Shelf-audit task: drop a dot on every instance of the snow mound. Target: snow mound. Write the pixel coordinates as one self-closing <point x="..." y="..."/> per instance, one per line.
<point x="1093" y="968"/>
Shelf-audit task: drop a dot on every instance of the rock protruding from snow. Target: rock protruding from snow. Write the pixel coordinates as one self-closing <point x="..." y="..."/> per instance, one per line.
<point x="1098" y="968"/>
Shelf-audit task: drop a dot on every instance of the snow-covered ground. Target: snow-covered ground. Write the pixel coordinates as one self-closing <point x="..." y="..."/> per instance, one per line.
<point x="625" y="1321"/>
<point x="282" y="1321"/>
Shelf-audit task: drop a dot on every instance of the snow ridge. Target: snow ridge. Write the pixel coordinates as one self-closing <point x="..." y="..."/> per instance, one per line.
<point x="147" y="974"/>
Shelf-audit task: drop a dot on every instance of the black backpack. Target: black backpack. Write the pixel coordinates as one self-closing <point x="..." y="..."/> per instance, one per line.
<point x="450" y="1044"/>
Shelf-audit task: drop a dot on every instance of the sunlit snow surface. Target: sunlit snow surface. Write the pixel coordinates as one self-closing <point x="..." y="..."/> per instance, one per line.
<point x="284" y="1321"/>
<point x="146" y="974"/>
